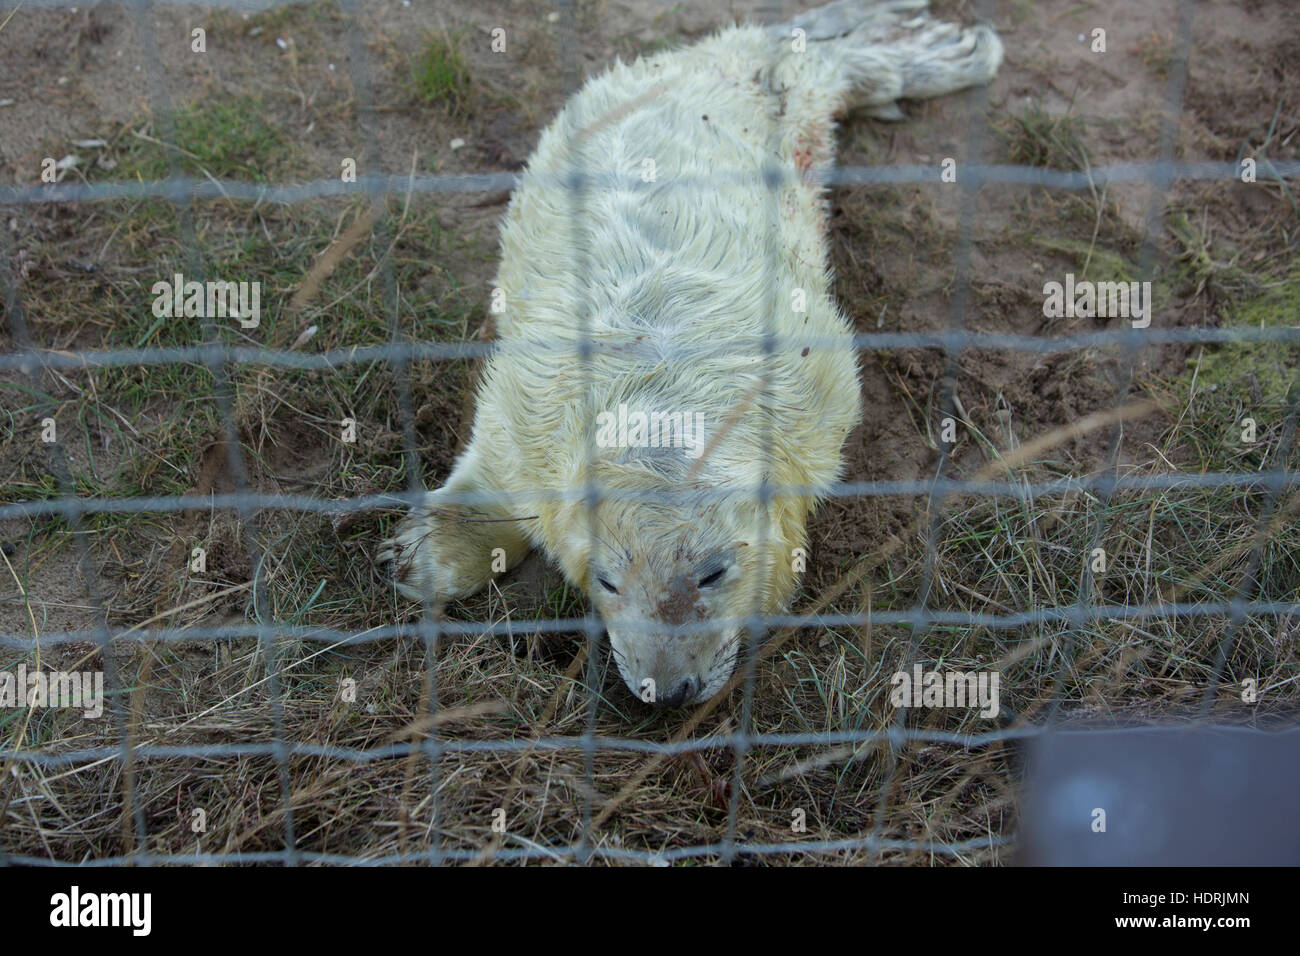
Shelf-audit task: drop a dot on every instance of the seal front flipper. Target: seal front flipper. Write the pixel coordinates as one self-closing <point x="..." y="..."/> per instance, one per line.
<point x="447" y="549"/>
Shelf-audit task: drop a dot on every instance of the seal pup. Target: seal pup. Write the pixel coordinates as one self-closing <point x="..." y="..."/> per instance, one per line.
<point x="672" y="382"/>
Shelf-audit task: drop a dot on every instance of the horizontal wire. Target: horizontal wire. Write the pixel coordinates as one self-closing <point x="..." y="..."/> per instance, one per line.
<point x="559" y="853"/>
<point x="246" y="6"/>
<point x="28" y="361"/>
<point x="915" y="617"/>
<point x="898" y="736"/>
<point x="1276" y="480"/>
<point x="183" y="188"/>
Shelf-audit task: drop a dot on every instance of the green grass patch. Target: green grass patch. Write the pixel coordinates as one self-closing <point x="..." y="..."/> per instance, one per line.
<point x="1261" y="375"/>
<point x="223" y="137"/>
<point x="439" y="74"/>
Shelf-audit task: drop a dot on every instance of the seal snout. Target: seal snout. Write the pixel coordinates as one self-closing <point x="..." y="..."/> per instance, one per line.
<point x="681" y="695"/>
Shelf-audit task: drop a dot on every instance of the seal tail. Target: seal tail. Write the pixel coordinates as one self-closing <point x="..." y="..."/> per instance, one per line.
<point x="876" y="52"/>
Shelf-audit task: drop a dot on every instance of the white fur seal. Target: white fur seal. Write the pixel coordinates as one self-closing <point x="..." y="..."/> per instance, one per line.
<point x="631" y="360"/>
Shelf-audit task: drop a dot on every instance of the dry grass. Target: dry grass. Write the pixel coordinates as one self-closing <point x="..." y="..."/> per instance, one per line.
<point x="994" y="556"/>
<point x="155" y="431"/>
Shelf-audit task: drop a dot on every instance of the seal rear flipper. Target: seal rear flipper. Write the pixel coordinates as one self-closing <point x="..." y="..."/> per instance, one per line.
<point x="872" y="54"/>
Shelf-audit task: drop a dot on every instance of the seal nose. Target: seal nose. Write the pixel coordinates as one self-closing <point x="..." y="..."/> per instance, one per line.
<point x="682" y="694"/>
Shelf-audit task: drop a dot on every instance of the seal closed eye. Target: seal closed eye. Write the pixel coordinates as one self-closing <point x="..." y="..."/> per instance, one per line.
<point x="631" y="353"/>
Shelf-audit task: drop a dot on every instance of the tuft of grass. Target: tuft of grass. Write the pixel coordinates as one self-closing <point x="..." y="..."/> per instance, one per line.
<point x="1156" y="51"/>
<point x="1203" y="267"/>
<point x="1037" y="138"/>
<point x="440" y="75"/>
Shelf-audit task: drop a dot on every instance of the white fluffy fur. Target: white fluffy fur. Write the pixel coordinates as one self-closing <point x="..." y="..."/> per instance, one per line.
<point x="675" y="283"/>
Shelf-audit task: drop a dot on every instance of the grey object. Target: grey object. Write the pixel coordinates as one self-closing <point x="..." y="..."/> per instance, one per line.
<point x="1171" y="796"/>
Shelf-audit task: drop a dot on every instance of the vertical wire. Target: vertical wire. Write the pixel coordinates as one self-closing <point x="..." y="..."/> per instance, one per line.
<point x="969" y="182"/>
<point x="1250" y="577"/>
<point x="160" y="95"/>
<point x="1134" y="343"/>
<point x="71" y="510"/>
<point x="575" y="181"/>
<point x="361" y="73"/>
<point x="772" y="179"/>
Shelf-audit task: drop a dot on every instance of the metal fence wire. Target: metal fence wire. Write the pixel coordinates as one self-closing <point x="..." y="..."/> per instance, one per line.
<point x="33" y="359"/>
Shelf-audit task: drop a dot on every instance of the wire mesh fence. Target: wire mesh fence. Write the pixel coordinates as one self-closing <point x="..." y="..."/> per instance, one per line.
<point x="32" y="359"/>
